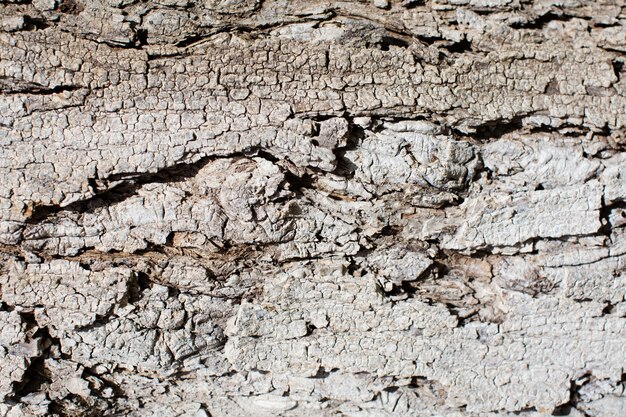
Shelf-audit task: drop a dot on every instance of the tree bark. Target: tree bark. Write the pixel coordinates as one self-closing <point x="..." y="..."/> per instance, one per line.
<point x="312" y="208"/>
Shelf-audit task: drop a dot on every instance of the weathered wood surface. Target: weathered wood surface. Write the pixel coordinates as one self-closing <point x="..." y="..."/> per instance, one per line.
<point x="312" y="208"/>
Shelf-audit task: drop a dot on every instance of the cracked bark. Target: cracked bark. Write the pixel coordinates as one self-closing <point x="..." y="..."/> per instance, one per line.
<point x="363" y="208"/>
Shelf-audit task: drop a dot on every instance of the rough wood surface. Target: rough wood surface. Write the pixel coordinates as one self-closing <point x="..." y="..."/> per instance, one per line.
<point x="312" y="208"/>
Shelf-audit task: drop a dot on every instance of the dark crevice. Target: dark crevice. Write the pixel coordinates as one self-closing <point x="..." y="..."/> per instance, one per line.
<point x="417" y="381"/>
<point x="34" y="379"/>
<point x="115" y="194"/>
<point x="84" y="266"/>
<point x="390" y="230"/>
<point x="541" y="21"/>
<point x="310" y="328"/>
<point x="354" y="269"/>
<point x="36" y="376"/>
<point x="606" y="210"/>
<point x="260" y="153"/>
<point x="460" y="47"/>
<point x="193" y="39"/>
<point x="296" y="259"/>
<point x="525" y="410"/>
<point x="430" y="40"/>
<point x="606" y="25"/>
<point x="141" y="37"/>
<point x="488" y="250"/>
<point x="497" y="129"/>
<point x="345" y="167"/>
<point x="10" y="85"/>
<point x="565" y="130"/>
<point x="411" y="4"/>
<point x="567" y="408"/>
<point x="174" y="173"/>
<point x="388" y="41"/>
<point x="296" y="184"/>
<point x="131" y="185"/>
<point x="609" y="308"/>
<point x="177" y="54"/>
<point x="28" y="317"/>
<point x="323" y="373"/>
<point x="322" y="117"/>
<point x="35" y="23"/>
<point x="618" y="67"/>
<point x="235" y="28"/>
<point x="138" y="285"/>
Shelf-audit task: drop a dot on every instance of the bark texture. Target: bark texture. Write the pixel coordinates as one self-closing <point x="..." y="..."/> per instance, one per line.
<point x="312" y="208"/>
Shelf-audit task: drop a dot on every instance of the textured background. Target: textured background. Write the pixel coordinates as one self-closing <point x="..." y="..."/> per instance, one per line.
<point x="312" y="208"/>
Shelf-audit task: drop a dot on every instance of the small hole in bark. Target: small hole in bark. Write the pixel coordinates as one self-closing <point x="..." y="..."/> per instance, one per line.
<point x="410" y="4"/>
<point x="70" y="7"/>
<point x="323" y="373"/>
<point x="142" y="36"/>
<point x="417" y="381"/>
<point x="390" y="230"/>
<point x="618" y="66"/>
<point x="33" y="23"/>
<point x="608" y="309"/>
<point x="552" y="87"/>
<point x="309" y="329"/>
<point x="84" y="265"/>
